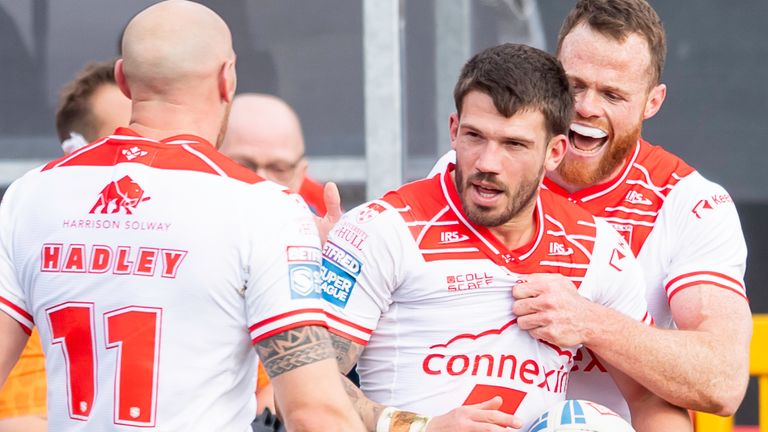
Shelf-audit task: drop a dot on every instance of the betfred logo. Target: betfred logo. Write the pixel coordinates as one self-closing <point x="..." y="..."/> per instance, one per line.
<point x="120" y="196"/>
<point x="341" y="258"/>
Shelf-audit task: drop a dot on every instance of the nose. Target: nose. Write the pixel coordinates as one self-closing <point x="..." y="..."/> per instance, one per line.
<point x="489" y="159"/>
<point x="587" y="104"/>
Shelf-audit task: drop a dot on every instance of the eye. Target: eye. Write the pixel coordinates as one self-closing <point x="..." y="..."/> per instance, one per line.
<point x="613" y="97"/>
<point x="515" y="144"/>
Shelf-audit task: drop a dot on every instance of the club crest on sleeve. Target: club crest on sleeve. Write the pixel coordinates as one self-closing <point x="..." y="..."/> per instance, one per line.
<point x="370" y="212"/>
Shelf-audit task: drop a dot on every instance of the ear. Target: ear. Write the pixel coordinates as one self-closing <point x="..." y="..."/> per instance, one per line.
<point x="655" y="99"/>
<point x="227" y="81"/>
<point x="122" y="84"/>
<point x="301" y="169"/>
<point x="556" y="149"/>
<point x="453" y="127"/>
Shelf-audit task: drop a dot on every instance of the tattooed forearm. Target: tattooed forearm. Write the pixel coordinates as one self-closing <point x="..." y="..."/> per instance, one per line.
<point x="368" y="410"/>
<point x="347" y="352"/>
<point x="294" y="348"/>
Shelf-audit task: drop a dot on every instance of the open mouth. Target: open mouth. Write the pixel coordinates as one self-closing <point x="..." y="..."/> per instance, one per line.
<point x="486" y="192"/>
<point x="587" y="140"/>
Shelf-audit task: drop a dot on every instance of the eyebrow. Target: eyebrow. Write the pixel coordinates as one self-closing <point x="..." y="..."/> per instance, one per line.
<point x="504" y="138"/>
<point x="602" y="88"/>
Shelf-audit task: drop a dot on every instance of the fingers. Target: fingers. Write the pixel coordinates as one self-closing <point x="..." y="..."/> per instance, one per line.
<point x="332" y="201"/>
<point x="488" y="412"/>
<point x="493" y="403"/>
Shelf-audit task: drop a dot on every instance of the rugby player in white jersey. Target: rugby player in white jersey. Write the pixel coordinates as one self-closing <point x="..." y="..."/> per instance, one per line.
<point x="419" y="283"/>
<point x="152" y="264"/>
<point x="683" y="228"/>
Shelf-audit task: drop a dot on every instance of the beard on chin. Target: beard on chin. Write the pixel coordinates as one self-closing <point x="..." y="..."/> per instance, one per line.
<point x="516" y="202"/>
<point x="581" y="173"/>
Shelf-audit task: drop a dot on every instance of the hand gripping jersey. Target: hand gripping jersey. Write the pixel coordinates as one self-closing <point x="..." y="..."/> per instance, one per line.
<point x="429" y="293"/>
<point x="684" y="230"/>
<point x="150" y="268"/>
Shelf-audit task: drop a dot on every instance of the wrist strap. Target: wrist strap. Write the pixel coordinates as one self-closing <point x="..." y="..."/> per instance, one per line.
<point x="418" y="423"/>
<point x="385" y="419"/>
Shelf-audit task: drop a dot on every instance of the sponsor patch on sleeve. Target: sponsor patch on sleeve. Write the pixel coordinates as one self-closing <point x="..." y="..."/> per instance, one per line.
<point x="303" y="271"/>
<point x="338" y="275"/>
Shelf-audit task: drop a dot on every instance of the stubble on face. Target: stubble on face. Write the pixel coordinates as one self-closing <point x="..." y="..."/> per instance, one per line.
<point x="516" y="201"/>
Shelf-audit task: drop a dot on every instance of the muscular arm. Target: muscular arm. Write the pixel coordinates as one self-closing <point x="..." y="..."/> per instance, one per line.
<point x="300" y="363"/>
<point x="704" y="365"/>
<point x="649" y="412"/>
<point x="11" y="344"/>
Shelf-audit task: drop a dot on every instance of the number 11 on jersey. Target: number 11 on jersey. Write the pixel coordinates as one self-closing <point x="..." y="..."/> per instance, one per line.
<point x="134" y="333"/>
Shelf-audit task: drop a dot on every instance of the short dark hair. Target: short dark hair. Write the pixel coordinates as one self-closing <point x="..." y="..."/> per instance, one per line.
<point x="518" y="77"/>
<point x="618" y="19"/>
<point x="74" y="112"/>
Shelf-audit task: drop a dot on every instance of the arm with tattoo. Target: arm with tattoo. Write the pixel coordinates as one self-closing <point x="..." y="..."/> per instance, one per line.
<point x="294" y="348"/>
<point x="300" y="362"/>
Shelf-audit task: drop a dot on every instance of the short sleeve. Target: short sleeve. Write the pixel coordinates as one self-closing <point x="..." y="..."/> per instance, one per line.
<point x="12" y="299"/>
<point x="707" y="245"/>
<point x="283" y="263"/>
<point x="360" y="270"/>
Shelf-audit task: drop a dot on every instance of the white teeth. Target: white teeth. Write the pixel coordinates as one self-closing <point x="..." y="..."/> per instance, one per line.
<point x="588" y="131"/>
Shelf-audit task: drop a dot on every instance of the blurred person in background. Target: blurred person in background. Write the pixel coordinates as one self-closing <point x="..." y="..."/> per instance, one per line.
<point x="264" y="135"/>
<point x="91" y="106"/>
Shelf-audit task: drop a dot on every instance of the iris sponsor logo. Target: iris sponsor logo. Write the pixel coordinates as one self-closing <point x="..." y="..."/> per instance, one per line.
<point x="338" y="274"/>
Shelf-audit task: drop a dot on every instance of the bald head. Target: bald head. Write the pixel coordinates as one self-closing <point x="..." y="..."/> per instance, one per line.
<point x="264" y="134"/>
<point x="178" y="69"/>
<point x="172" y="44"/>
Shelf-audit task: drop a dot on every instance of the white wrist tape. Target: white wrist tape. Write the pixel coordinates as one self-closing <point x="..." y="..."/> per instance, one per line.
<point x="419" y="423"/>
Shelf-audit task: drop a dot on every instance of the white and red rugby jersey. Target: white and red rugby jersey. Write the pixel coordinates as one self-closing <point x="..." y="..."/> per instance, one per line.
<point x="429" y="294"/>
<point x="150" y="268"/>
<point x="684" y="230"/>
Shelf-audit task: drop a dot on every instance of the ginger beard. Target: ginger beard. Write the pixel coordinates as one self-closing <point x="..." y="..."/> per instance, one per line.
<point x="579" y="172"/>
<point x="516" y="201"/>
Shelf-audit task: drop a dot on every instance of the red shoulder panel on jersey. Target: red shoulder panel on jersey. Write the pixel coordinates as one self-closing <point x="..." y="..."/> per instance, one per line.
<point x="181" y="152"/>
<point x="631" y="202"/>
<point x="431" y="209"/>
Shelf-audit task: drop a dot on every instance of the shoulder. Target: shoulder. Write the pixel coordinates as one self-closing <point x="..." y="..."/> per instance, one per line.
<point x="568" y="214"/>
<point x="659" y="165"/>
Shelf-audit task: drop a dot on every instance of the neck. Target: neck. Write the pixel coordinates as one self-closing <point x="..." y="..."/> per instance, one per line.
<point x="159" y="120"/>
<point x="570" y="187"/>
<point x="518" y="231"/>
